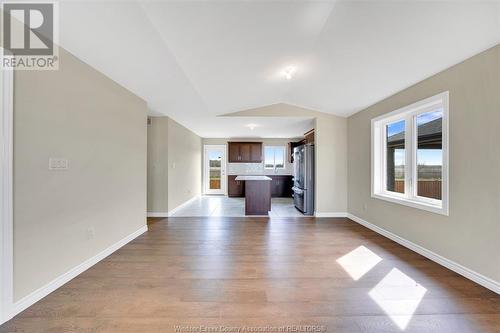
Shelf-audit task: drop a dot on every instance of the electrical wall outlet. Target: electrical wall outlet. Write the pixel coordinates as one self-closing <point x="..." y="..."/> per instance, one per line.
<point x="58" y="163"/>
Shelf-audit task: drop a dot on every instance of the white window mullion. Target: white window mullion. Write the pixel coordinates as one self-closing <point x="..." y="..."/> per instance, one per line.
<point x="383" y="146"/>
<point x="411" y="156"/>
<point x="414" y="167"/>
<point x="408" y="156"/>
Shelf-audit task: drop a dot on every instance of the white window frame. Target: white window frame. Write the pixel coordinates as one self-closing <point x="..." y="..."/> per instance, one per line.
<point x="379" y="160"/>
<point x="283" y="148"/>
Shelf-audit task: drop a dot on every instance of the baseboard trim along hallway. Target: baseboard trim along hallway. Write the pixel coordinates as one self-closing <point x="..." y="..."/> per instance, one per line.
<point x="185" y="203"/>
<point x="157" y="214"/>
<point x="172" y="212"/>
<point x="40" y="293"/>
<point x="450" y="264"/>
<point x="330" y="214"/>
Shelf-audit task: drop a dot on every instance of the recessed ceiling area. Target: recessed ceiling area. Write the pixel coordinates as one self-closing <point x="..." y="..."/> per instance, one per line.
<point x="196" y="60"/>
<point x="259" y="127"/>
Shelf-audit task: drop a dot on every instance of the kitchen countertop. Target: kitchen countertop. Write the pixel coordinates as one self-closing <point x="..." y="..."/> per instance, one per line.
<point x="252" y="178"/>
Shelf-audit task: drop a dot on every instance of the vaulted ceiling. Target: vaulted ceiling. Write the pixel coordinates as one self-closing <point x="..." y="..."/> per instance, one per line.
<point x="197" y="60"/>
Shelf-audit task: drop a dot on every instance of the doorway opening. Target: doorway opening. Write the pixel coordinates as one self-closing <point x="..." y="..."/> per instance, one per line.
<point x="214" y="171"/>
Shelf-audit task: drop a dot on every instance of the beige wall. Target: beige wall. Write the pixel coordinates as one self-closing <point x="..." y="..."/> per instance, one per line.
<point x="158" y="164"/>
<point x="79" y="114"/>
<point x="184" y="164"/>
<point x="331" y="164"/>
<point x="470" y="235"/>
<point x="174" y="170"/>
<point x="331" y="152"/>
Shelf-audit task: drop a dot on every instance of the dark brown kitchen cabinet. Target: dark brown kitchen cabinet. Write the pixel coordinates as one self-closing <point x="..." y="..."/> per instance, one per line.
<point x="309" y="137"/>
<point x="235" y="188"/>
<point x="281" y="186"/>
<point x="256" y="152"/>
<point x="245" y="152"/>
<point x="234" y="153"/>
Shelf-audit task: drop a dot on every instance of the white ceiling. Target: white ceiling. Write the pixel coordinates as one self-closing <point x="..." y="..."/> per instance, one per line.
<point x="194" y="60"/>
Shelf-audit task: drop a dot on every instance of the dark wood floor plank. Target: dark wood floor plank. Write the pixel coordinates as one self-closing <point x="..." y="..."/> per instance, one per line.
<point x="261" y="272"/>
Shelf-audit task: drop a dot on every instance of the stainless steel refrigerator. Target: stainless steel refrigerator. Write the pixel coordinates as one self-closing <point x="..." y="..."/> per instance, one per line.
<point x="303" y="180"/>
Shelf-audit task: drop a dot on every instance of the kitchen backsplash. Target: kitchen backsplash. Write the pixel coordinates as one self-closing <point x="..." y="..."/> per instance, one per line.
<point x="256" y="169"/>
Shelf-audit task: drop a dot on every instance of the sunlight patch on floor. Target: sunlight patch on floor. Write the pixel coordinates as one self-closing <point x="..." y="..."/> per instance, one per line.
<point x="399" y="296"/>
<point x="359" y="261"/>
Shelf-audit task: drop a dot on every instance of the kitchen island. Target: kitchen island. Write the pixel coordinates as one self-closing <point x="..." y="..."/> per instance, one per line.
<point x="257" y="194"/>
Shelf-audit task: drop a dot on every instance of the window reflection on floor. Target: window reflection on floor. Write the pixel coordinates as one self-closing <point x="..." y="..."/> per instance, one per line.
<point x="399" y="296"/>
<point x="359" y="261"/>
<point x="397" y="293"/>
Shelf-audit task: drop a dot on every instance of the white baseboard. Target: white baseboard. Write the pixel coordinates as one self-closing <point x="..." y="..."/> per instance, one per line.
<point x="450" y="264"/>
<point x="172" y="212"/>
<point x="157" y="214"/>
<point x="330" y="214"/>
<point x="185" y="203"/>
<point x="40" y="293"/>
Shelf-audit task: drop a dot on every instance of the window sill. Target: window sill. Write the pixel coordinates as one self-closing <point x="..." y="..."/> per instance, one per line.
<point x="438" y="209"/>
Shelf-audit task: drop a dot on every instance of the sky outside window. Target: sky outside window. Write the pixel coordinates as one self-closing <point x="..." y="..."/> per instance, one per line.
<point x="430" y="156"/>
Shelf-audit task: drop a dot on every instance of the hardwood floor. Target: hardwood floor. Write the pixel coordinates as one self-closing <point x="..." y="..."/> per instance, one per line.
<point x="264" y="274"/>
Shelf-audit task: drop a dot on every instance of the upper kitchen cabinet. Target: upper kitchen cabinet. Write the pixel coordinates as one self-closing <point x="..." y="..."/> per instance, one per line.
<point x="233" y="152"/>
<point x="309" y="137"/>
<point x="245" y="152"/>
<point x="256" y="152"/>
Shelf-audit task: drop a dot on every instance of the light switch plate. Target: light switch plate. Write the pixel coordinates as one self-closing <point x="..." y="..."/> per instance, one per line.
<point x="58" y="163"/>
<point x="90" y="233"/>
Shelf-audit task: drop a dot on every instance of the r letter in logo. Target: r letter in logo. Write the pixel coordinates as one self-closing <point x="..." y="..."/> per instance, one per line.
<point x="29" y="35"/>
